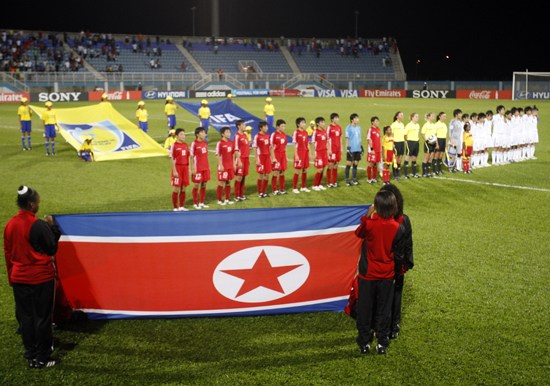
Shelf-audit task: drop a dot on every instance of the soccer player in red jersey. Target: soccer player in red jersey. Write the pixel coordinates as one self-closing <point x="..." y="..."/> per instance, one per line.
<point x="334" y="133"/>
<point x="278" y="142"/>
<point x="301" y="155"/>
<point x="226" y="161"/>
<point x="319" y="140"/>
<point x="242" y="159"/>
<point x="375" y="150"/>
<point x="179" y="153"/>
<point x="264" y="158"/>
<point x="200" y="168"/>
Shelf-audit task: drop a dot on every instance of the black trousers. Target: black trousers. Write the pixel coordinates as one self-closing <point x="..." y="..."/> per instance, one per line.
<point x="374" y="302"/>
<point x="396" y="306"/>
<point x="34" y="307"/>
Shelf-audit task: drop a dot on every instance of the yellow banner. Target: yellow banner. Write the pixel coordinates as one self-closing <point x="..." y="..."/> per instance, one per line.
<point x="113" y="135"/>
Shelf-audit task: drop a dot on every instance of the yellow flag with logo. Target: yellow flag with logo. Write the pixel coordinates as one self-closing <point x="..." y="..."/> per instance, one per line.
<point x="113" y="135"/>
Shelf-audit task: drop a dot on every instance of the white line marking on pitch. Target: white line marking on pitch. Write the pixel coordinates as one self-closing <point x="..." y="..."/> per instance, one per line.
<point x="495" y="184"/>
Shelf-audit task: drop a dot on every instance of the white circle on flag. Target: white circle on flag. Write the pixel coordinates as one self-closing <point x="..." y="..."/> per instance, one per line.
<point x="261" y="274"/>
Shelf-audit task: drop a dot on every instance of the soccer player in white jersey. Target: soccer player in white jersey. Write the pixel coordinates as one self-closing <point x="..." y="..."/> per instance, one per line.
<point x="455" y="137"/>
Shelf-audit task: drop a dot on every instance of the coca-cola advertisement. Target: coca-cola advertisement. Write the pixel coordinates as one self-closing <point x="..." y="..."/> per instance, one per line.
<point x="483" y="94"/>
<point x="284" y="92"/>
<point x="115" y="95"/>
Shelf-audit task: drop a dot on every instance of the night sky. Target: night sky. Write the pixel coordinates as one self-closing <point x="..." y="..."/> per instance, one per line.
<point x="467" y="40"/>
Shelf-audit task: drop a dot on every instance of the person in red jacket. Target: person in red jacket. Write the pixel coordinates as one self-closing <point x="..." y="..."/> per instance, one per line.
<point x="408" y="262"/>
<point x="377" y="268"/>
<point x="29" y="247"/>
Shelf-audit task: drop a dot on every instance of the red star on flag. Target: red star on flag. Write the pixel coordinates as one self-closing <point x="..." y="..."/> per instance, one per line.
<point x="262" y="274"/>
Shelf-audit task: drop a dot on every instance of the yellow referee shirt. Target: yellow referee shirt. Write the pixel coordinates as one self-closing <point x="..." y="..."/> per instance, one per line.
<point x="204" y="112"/>
<point x="24" y="113"/>
<point x="398" y="130"/>
<point x="428" y="129"/>
<point x="411" y="131"/>
<point x="441" y="129"/>
<point x="142" y="115"/>
<point x="269" y="109"/>
<point x="49" y="117"/>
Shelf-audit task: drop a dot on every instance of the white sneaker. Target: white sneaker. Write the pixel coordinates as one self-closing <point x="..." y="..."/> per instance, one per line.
<point x="203" y="205"/>
<point x="176" y="209"/>
<point x="276" y="192"/>
<point x="197" y="206"/>
<point x="305" y="190"/>
<point x="221" y="202"/>
<point x="295" y="191"/>
<point x="229" y="202"/>
<point x="316" y="188"/>
<point x="322" y="187"/>
<point x="182" y="209"/>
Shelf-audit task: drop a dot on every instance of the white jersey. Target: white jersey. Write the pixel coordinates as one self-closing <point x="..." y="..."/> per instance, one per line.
<point x="456" y="130"/>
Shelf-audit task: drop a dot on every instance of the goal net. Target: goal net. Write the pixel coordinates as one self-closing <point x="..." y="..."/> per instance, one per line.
<point x="531" y="85"/>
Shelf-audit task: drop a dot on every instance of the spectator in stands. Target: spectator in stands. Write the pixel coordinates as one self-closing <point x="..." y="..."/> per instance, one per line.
<point x="183" y="66"/>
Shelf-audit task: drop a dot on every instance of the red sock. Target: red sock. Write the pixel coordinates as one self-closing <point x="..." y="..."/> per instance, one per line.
<point x="273" y="183"/>
<point x="386" y="175"/>
<point x="264" y="186"/>
<point x="281" y="183"/>
<point x="369" y="173"/>
<point x="335" y="175"/>
<point x="329" y="177"/>
<point x="219" y="193"/>
<point x="260" y="184"/>
<point x="242" y="187"/>
<point x="203" y="194"/>
<point x="182" y="198"/>
<point x="227" y="192"/>
<point x="304" y="178"/>
<point x="295" y="181"/>
<point x="175" y="200"/>
<point x="320" y="182"/>
<point x="374" y="172"/>
<point x="237" y="190"/>
<point x="195" y="195"/>
<point x="316" y="179"/>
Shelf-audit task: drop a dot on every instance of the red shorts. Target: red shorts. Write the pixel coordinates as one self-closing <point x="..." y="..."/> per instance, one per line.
<point x="226" y="175"/>
<point x="264" y="164"/>
<point x="389" y="157"/>
<point x="280" y="165"/>
<point x="321" y="159"/>
<point x="183" y="176"/>
<point x="243" y="170"/>
<point x="301" y="160"/>
<point x="468" y="151"/>
<point x="373" y="157"/>
<point x="202" y="176"/>
<point x="335" y="156"/>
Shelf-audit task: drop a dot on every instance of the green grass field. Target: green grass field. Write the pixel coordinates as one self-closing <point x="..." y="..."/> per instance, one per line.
<point x="475" y="305"/>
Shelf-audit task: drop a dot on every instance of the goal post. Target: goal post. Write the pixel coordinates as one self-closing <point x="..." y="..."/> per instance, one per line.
<point x="530" y="85"/>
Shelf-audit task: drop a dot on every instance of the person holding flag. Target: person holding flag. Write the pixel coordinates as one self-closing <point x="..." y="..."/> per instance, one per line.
<point x="269" y="111"/>
<point x="242" y="159"/>
<point x="86" y="151"/>
<point x="25" y="114"/>
<point x="50" y="128"/>
<point x="170" y="108"/>
<point x="142" y="117"/>
<point x="204" y="117"/>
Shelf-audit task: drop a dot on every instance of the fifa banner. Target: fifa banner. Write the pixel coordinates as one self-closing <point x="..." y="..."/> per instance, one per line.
<point x="225" y="113"/>
<point x="114" y="137"/>
<point x="208" y="263"/>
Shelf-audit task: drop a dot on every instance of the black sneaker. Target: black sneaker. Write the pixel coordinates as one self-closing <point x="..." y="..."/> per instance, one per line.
<point x="348" y="183"/>
<point x="394" y="335"/>
<point x="363" y="348"/>
<point x="355" y="182"/>
<point x="381" y="350"/>
<point x="50" y="362"/>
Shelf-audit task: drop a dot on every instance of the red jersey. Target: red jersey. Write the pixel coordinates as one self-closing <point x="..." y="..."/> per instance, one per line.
<point x="261" y="143"/>
<point x="278" y="142"/>
<point x="374" y="136"/>
<point x="242" y="145"/>
<point x="319" y="139"/>
<point x="224" y="149"/>
<point x="334" y="133"/>
<point x="199" y="151"/>
<point x="301" y="139"/>
<point x="180" y="153"/>
<point x="379" y="234"/>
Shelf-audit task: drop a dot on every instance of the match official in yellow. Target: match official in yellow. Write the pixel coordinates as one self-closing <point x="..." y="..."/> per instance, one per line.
<point x="204" y="117"/>
<point x="441" y="134"/>
<point x="398" y="131"/>
<point x="269" y="111"/>
<point x="142" y="116"/>
<point x="25" y="114"/>
<point x="50" y="127"/>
